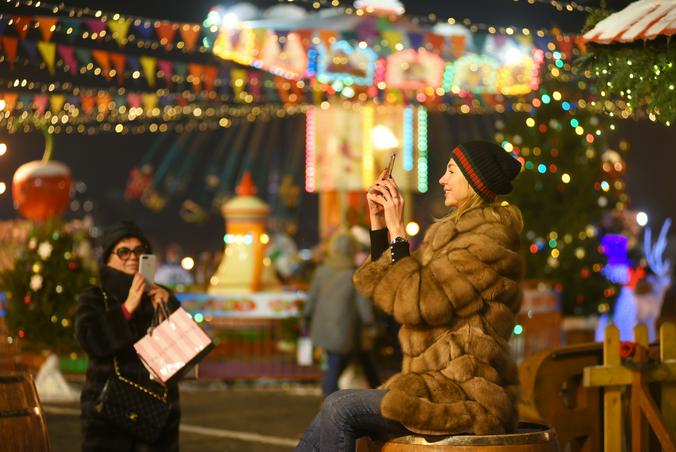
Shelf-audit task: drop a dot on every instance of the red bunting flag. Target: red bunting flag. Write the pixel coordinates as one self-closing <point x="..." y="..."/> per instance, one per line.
<point x="119" y="61"/>
<point x="102" y="57"/>
<point x="10" y="100"/>
<point x="209" y="77"/>
<point x="9" y="43"/>
<point x="195" y="70"/>
<point x="46" y="26"/>
<point x="436" y="42"/>
<point x="166" y="32"/>
<point x="21" y="24"/>
<point x="189" y="35"/>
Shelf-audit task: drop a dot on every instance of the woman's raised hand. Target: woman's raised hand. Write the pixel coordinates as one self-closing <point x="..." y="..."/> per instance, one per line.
<point x="376" y="211"/>
<point x="133" y="300"/>
<point x="388" y="196"/>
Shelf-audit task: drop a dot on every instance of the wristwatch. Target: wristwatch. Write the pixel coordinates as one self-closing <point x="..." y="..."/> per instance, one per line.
<point x="398" y="240"/>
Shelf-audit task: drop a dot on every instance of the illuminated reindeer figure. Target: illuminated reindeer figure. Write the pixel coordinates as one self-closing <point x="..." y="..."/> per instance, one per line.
<point x="650" y="295"/>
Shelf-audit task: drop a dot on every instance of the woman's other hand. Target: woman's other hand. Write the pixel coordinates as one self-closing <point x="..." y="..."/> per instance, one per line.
<point x="376" y="211"/>
<point x="158" y="295"/>
<point x="133" y="300"/>
<point x="392" y="202"/>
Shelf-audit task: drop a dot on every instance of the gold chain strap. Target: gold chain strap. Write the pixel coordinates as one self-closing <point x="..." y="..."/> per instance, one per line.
<point x="162" y="397"/>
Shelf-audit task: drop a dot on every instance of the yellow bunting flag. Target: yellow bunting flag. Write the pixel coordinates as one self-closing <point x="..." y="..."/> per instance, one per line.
<point x="48" y="52"/>
<point x="238" y="77"/>
<point x="120" y="29"/>
<point x="47" y="25"/>
<point x="148" y="64"/>
<point x="189" y="35"/>
<point x="102" y="57"/>
<point x="56" y="102"/>
<point x="149" y="103"/>
<point x="392" y="38"/>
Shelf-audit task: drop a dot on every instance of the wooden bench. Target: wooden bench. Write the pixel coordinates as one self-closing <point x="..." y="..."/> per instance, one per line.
<point x="22" y="421"/>
<point x="530" y="437"/>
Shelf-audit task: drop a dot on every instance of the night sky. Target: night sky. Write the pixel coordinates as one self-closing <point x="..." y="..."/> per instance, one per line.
<point x="103" y="161"/>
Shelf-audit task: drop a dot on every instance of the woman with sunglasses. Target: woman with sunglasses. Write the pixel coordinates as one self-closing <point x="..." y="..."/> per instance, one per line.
<point x="110" y="318"/>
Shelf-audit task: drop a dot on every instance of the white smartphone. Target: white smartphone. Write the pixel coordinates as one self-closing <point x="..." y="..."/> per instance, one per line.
<point x="147" y="267"/>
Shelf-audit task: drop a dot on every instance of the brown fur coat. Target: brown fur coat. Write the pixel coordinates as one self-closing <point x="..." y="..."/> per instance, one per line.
<point x="455" y="298"/>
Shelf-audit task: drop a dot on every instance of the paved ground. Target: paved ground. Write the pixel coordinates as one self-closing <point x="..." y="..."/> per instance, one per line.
<point x="217" y="417"/>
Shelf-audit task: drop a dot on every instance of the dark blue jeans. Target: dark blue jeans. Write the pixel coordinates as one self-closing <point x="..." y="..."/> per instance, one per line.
<point x="338" y="362"/>
<point x="346" y="416"/>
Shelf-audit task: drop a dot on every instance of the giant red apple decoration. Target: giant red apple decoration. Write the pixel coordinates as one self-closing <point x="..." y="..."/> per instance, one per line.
<point x="41" y="189"/>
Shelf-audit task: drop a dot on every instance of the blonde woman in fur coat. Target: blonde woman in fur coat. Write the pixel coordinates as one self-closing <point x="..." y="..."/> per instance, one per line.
<point x="455" y="298"/>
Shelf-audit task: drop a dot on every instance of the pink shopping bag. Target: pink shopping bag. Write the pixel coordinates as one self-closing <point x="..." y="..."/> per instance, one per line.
<point x="173" y="347"/>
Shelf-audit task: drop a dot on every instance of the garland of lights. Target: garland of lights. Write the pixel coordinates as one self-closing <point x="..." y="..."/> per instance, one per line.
<point x="642" y="75"/>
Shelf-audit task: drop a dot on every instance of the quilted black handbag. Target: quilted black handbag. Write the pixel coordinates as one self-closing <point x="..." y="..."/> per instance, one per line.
<point x="132" y="407"/>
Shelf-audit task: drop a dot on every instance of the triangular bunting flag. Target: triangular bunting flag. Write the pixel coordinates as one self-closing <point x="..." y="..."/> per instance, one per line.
<point x="40" y="102"/>
<point x="189" y="35"/>
<point x="48" y="52"/>
<point x="238" y="78"/>
<point x="458" y="45"/>
<point x="148" y="64"/>
<point x="95" y="26"/>
<point x="166" y="67"/>
<point x="32" y="51"/>
<point x="9" y="43"/>
<point x="415" y="39"/>
<point x="102" y="57"/>
<point x="133" y="64"/>
<point x="56" y="102"/>
<point x="10" y="101"/>
<point x="71" y="28"/>
<point x="180" y="69"/>
<point x="3" y="24"/>
<point x="144" y="29"/>
<point x="103" y="101"/>
<point x="21" y="24"/>
<point x="479" y="40"/>
<point x="195" y="71"/>
<point x="149" y="102"/>
<point x="88" y="101"/>
<point x="120" y="29"/>
<point x="166" y="32"/>
<point x="134" y="100"/>
<point x="47" y="25"/>
<point x="436" y="42"/>
<point x="209" y="77"/>
<point x="84" y="56"/>
<point x="119" y="60"/>
<point x="68" y="56"/>
<point x="326" y="36"/>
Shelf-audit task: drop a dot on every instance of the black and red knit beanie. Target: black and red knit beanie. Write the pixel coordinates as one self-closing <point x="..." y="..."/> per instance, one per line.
<point x="113" y="234"/>
<point x="488" y="168"/>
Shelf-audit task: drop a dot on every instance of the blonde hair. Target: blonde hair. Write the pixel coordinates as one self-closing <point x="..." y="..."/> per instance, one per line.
<point x="470" y="202"/>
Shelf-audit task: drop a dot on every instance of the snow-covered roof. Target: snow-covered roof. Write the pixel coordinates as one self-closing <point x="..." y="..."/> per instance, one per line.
<point x="643" y="19"/>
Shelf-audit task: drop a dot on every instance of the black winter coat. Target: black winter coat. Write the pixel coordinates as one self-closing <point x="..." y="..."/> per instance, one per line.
<point x="103" y="334"/>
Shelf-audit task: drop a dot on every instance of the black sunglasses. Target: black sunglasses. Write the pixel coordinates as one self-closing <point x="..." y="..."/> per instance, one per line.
<point x="125" y="252"/>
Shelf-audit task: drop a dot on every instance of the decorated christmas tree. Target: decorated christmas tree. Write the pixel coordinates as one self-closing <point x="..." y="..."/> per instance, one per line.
<point x="43" y="284"/>
<point x="570" y="187"/>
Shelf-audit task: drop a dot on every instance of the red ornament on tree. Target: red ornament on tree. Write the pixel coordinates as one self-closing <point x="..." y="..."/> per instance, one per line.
<point x="41" y="188"/>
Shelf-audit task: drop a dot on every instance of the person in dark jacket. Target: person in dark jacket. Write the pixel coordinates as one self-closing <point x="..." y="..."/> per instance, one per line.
<point x="110" y="331"/>
<point x="338" y="314"/>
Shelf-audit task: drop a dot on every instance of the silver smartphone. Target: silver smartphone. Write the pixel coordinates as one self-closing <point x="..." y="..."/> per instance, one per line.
<point x="147" y="267"/>
<point x="390" y="167"/>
